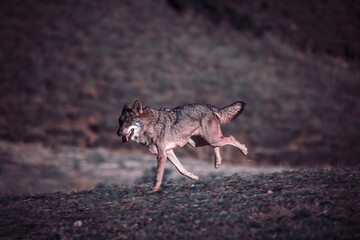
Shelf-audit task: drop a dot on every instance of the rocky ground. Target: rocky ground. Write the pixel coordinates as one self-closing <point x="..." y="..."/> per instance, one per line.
<point x="303" y="204"/>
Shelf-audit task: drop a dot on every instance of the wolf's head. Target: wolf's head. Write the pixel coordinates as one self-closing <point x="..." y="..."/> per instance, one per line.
<point x="130" y="123"/>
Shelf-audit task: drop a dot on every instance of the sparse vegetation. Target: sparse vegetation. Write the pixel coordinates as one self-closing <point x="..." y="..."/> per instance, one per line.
<point x="68" y="68"/>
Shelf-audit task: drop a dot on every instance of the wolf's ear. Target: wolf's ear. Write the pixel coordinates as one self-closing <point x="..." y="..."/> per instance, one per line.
<point x="127" y="106"/>
<point x="137" y="108"/>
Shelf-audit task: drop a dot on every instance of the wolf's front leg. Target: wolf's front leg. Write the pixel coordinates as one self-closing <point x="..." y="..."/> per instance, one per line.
<point x="174" y="160"/>
<point x="218" y="158"/>
<point x="161" y="158"/>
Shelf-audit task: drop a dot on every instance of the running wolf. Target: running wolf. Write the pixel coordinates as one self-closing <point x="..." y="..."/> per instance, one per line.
<point x="165" y="129"/>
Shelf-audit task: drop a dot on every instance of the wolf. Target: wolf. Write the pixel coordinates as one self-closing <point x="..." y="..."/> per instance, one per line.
<point x="164" y="129"/>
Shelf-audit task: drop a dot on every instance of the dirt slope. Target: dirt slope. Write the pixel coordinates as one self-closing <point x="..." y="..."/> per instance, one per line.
<point x="68" y="68"/>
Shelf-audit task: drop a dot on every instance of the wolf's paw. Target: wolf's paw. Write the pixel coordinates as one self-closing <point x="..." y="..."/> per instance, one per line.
<point x="244" y="149"/>
<point x="218" y="161"/>
<point x="156" y="189"/>
<point x="217" y="165"/>
<point x="193" y="176"/>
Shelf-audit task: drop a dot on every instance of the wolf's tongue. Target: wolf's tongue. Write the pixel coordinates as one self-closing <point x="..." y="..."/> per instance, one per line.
<point x="127" y="136"/>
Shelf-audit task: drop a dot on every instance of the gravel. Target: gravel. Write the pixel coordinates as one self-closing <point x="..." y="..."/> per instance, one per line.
<point x="302" y="204"/>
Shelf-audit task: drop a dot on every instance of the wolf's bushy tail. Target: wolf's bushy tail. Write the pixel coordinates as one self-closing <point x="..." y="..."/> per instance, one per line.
<point x="228" y="113"/>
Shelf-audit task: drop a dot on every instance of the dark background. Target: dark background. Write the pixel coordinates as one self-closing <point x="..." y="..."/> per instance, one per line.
<point x="68" y="67"/>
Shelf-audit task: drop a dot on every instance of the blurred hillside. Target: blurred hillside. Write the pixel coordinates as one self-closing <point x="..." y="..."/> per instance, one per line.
<point x="68" y="67"/>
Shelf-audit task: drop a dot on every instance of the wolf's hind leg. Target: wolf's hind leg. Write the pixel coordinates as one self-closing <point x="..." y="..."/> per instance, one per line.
<point x="230" y="141"/>
<point x="212" y="134"/>
<point x="218" y="157"/>
<point x="174" y="160"/>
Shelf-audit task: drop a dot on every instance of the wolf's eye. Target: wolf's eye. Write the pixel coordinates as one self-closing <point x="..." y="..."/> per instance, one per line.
<point x="128" y="120"/>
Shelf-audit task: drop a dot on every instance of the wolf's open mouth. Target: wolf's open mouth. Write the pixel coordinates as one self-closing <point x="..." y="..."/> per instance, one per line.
<point x="128" y="136"/>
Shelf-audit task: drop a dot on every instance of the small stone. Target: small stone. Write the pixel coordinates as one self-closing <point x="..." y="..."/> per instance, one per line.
<point x="78" y="223"/>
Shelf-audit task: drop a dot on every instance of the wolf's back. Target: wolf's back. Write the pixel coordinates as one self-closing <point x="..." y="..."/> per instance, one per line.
<point x="228" y="113"/>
